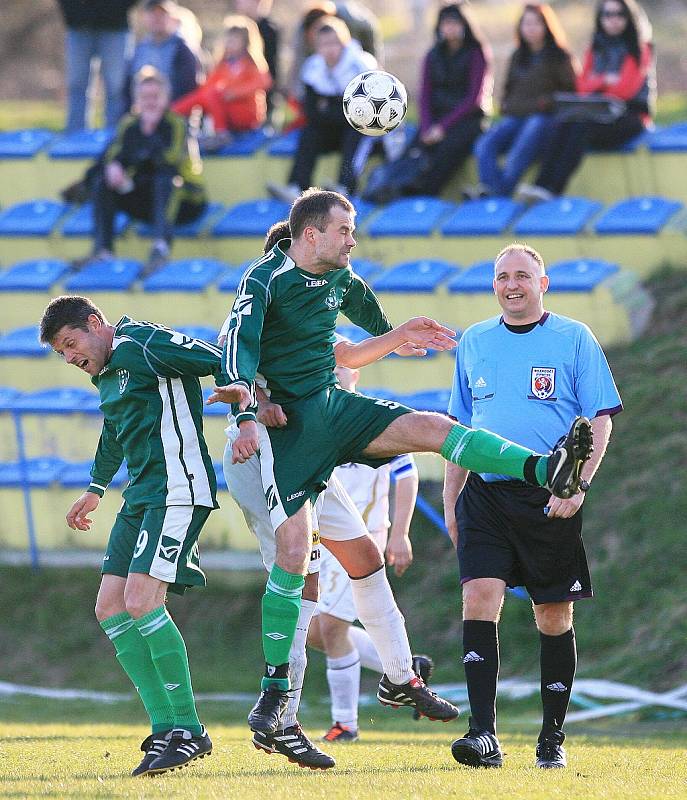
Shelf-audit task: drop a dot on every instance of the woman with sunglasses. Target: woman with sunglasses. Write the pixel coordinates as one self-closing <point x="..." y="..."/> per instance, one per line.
<point x="618" y="64"/>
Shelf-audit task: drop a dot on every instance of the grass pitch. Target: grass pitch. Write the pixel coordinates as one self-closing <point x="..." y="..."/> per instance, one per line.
<point x="395" y="759"/>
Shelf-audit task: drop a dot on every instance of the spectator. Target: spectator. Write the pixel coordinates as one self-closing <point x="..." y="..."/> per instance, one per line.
<point x="163" y="48"/>
<point x="325" y="75"/>
<point x="234" y="93"/>
<point x="619" y="64"/>
<point x="98" y="28"/>
<point x="540" y="66"/>
<point x="454" y="95"/>
<point x="258" y="11"/>
<point x="148" y="172"/>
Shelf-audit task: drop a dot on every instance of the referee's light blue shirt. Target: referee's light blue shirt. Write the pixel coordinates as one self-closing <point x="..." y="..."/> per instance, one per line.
<point x="528" y="387"/>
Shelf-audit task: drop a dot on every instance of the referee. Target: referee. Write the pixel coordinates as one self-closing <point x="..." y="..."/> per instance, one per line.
<point x="524" y="375"/>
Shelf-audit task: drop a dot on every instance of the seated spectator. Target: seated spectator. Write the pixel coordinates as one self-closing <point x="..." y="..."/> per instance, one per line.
<point x="147" y="172"/>
<point x="619" y="64"/>
<point x="325" y="75"/>
<point x="163" y="48"/>
<point x="234" y="93"/>
<point x="540" y="66"/>
<point x="98" y="29"/>
<point x="258" y="11"/>
<point x="455" y="91"/>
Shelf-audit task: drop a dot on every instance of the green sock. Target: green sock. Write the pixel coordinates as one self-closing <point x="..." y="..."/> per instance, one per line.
<point x="281" y="605"/>
<point x="134" y="656"/>
<point x="483" y="451"/>
<point x="168" y="653"/>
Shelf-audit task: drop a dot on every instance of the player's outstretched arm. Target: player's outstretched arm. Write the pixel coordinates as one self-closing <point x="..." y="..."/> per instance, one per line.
<point x="77" y="516"/>
<point x="233" y="393"/>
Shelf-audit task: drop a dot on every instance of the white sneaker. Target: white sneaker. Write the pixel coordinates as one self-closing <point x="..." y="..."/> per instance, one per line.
<point x="288" y="194"/>
<point x="531" y="193"/>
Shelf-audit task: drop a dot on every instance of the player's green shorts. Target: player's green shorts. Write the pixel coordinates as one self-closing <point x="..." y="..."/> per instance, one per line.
<point x="330" y="428"/>
<point x="162" y="542"/>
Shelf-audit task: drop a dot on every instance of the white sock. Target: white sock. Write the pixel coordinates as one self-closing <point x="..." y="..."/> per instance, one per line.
<point x="369" y="657"/>
<point x="343" y="676"/>
<point x="298" y="661"/>
<point x="382" y="618"/>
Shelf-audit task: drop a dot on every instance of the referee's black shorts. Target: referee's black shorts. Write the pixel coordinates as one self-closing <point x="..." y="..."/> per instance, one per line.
<point x="504" y="533"/>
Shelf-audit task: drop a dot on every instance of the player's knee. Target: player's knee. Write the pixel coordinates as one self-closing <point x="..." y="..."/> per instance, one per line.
<point x="293" y="556"/>
<point x="105" y="609"/>
<point x="554" y="619"/>
<point x="137" y="604"/>
<point x="481" y="601"/>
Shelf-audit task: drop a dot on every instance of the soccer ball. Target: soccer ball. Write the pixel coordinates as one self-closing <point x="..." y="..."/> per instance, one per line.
<point x="375" y="103"/>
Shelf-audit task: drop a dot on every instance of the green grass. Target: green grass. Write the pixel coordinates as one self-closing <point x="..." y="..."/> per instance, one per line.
<point x="77" y="760"/>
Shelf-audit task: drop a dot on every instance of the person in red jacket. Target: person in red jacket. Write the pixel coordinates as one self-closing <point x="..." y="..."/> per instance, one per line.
<point x="619" y="64"/>
<point x="234" y="93"/>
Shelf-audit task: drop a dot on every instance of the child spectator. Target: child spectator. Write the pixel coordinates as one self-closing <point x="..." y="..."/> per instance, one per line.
<point x="234" y="93"/>
<point x="325" y="75"/>
<point x="163" y="48"/>
<point x="540" y="66"/>
<point x="619" y="64"/>
<point x="148" y="172"/>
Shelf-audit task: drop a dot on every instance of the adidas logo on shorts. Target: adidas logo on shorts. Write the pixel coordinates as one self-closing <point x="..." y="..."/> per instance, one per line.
<point x="576" y="587"/>
<point x="472" y="656"/>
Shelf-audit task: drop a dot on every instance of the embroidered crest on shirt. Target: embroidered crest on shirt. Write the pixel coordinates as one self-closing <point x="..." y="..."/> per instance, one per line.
<point x="123" y="379"/>
<point x="332" y="301"/>
<point x="543" y="382"/>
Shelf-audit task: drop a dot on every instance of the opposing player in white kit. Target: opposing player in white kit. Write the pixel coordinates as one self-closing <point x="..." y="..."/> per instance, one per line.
<point x="349" y="647"/>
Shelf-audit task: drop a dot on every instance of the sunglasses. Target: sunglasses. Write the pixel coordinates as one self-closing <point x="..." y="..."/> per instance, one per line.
<point x="611" y="14"/>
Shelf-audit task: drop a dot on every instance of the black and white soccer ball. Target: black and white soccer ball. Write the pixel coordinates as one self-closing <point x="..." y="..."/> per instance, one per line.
<point x="375" y="102"/>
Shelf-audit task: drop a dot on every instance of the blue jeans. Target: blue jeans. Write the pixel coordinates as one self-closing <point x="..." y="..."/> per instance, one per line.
<point x="81" y="46"/>
<point x="522" y="138"/>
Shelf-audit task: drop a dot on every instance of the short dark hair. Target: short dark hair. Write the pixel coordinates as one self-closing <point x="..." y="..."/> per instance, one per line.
<point x="280" y="230"/>
<point x="71" y="310"/>
<point x="313" y="208"/>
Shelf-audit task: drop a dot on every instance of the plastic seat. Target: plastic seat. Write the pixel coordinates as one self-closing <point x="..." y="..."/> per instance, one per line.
<point x="363" y="209"/>
<point x="185" y="275"/>
<point x="488" y="217"/>
<point x="252" y="218"/>
<point x="23" y="342"/>
<point x="112" y="275"/>
<point x="242" y="144"/>
<point x="32" y="218"/>
<point x="366" y="269"/>
<point x="564" y="216"/>
<point x="672" y="139"/>
<point x="188" y="230"/>
<point x="645" y="215"/>
<point x="38" y="472"/>
<point x="8" y="397"/>
<point x="410" y="216"/>
<point x="219" y="473"/>
<point x="476" y="278"/>
<point x="285" y="146"/>
<point x="414" y="276"/>
<point x="78" y="474"/>
<point x="80" y="144"/>
<point x="24" y="143"/>
<point x="231" y="278"/>
<point x="579" y="274"/>
<point x="36" y="275"/>
<point x="59" y="400"/>
<point x="81" y="222"/>
<point x="429" y="400"/>
<point x="205" y="333"/>
<point x="216" y="409"/>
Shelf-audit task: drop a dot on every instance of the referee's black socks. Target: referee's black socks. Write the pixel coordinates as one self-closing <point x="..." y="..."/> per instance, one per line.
<point x="558" y="659"/>
<point x="481" y="662"/>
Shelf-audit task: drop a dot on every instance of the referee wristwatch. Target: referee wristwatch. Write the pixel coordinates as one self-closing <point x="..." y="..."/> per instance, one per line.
<point x="584" y="485"/>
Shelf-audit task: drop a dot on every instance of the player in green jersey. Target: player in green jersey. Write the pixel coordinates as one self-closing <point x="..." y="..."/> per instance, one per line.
<point x="151" y="399"/>
<point x="282" y="326"/>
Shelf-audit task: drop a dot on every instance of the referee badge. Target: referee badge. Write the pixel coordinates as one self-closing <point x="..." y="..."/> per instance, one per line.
<point x="543" y="382"/>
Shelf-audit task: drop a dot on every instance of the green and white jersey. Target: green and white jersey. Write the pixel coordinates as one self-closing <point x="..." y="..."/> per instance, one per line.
<point x="282" y="326"/>
<point x="152" y="401"/>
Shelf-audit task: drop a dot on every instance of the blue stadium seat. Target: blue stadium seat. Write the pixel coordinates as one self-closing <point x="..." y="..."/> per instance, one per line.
<point x="251" y="218"/>
<point x="39" y="472"/>
<point x="363" y="209"/>
<point x="285" y="146"/>
<point x="204" y="332"/>
<point x="429" y="400"/>
<point x="645" y="215"/>
<point x="672" y="139"/>
<point x="80" y="144"/>
<point x="579" y="275"/>
<point x="59" y="400"/>
<point x="78" y="474"/>
<point x="476" y="278"/>
<point x="32" y="218"/>
<point x="81" y="222"/>
<point x="631" y="146"/>
<point x="8" y="397"/>
<point x="242" y="144"/>
<point x="185" y="275"/>
<point x="219" y="472"/>
<point x="414" y="276"/>
<point x="366" y="269"/>
<point x="216" y="409"/>
<point x="113" y="275"/>
<point x="230" y="279"/>
<point x="36" y="275"/>
<point x="353" y="333"/>
<point x="488" y="217"/>
<point x="564" y="216"/>
<point x="410" y="216"/>
<point x="24" y="143"/>
<point x="23" y="342"/>
<point x="188" y="230"/>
